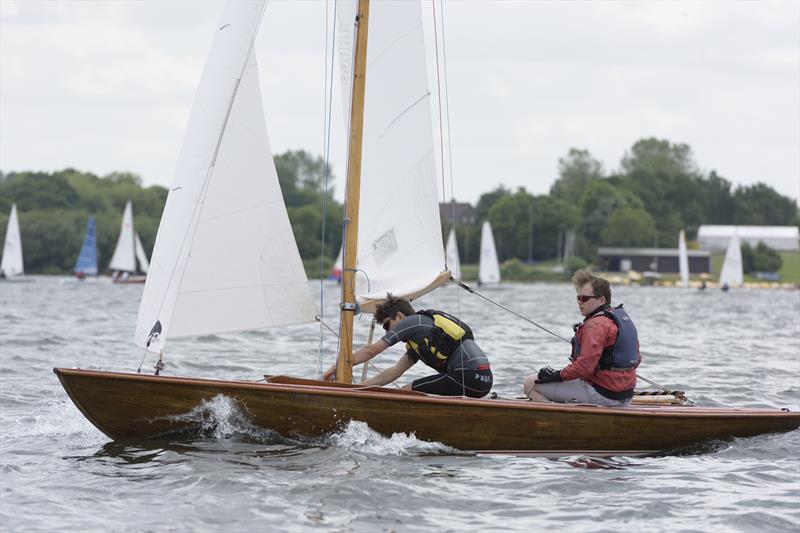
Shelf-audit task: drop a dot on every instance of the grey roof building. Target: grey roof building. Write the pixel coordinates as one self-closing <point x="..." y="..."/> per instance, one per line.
<point x="663" y="260"/>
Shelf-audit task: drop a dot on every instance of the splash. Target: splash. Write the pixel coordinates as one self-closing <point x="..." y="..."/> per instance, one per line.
<point x="358" y="436"/>
<point x="222" y="417"/>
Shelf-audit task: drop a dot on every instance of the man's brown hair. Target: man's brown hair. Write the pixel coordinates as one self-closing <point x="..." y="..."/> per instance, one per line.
<point x="391" y="306"/>
<point x="600" y="286"/>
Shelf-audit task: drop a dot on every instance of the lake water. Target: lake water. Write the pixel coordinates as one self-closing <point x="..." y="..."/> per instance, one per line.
<point x="60" y="473"/>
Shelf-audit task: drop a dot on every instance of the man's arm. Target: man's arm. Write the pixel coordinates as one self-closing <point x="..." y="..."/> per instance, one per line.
<point x="364" y="354"/>
<point x="392" y="373"/>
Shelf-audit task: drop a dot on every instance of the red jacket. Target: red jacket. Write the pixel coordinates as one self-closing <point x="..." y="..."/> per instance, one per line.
<point x="594" y="335"/>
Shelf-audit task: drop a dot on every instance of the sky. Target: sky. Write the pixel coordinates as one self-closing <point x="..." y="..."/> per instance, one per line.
<point x="108" y="86"/>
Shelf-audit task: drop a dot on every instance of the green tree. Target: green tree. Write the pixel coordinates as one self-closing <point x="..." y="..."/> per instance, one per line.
<point x="629" y="226"/>
<point x="576" y="171"/>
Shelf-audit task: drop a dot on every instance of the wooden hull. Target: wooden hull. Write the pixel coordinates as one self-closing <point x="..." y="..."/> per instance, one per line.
<point x="125" y="406"/>
<point x="129" y="281"/>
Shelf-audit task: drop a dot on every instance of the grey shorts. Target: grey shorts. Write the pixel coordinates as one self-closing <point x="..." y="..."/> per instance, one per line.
<point x="576" y="391"/>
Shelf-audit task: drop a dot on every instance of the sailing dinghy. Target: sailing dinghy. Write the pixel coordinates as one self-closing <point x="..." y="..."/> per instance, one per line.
<point x="203" y="282"/>
<point x="453" y="259"/>
<point x="11" y="265"/>
<point x="732" y="273"/>
<point x="129" y="257"/>
<point x="683" y="259"/>
<point x="489" y="266"/>
<point x="86" y="264"/>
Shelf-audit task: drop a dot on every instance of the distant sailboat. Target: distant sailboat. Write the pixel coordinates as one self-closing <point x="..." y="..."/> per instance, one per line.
<point x="683" y="259"/>
<point x="11" y="265"/>
<point x="451" y="251"/>
<point x="336" y="269"/>
<point x="489" y="268"/>
<point x="128" y="252"/>
<point x="732" y="273"/>
<point x="86" y="264"/>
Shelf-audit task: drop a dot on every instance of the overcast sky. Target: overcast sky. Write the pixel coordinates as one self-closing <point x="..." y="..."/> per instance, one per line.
<point x="108" y="86"/>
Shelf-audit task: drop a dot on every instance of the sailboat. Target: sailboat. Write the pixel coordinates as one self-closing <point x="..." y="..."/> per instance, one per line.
<point x="489" y="267"/>
<point x="86" y="264"/>
<point x="11" y="265"/>
<point x="202" y="281"/>
<point x="336" y="269"/>
<point x="732" y="273"/>
<point x="129" y="256"/>
<point x="683" y="259"/>
<point x="453" y="260"/>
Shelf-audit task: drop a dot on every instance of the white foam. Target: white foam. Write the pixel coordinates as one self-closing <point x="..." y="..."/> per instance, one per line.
<point x="358" y="436"/>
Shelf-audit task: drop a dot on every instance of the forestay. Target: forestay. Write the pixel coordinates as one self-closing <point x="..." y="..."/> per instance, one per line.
<point x="399" y="233"/>
<point x="124" y="259"/>
<point x="11" y="264"/>
<point x="225" y="258"/>
<point x="489" y="267"/>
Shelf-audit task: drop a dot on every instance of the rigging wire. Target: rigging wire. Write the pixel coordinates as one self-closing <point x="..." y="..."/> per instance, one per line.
<point x="328" y="105"/>
<point x="439" y="76"/>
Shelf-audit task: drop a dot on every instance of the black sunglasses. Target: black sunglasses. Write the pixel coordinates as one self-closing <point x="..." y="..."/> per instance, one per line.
<point x="583" y="298"/>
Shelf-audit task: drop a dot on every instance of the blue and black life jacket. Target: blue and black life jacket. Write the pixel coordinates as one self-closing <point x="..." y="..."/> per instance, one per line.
<point x="624" y="354"/>
<point x="445" y="337"/>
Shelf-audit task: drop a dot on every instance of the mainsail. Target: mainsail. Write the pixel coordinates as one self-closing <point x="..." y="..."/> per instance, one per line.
<point x="399" y="234"/>
<point x="11" y="265"/>
<point x="225" y="258"/>
<point x="732" y="273"/>
<point x="124" y="258"/>
<point x="489" y="267"/>
<point x="87" y="258"/>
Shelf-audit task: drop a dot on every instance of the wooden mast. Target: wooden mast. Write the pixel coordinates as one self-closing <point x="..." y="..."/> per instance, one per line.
<point x="344" y="363"/>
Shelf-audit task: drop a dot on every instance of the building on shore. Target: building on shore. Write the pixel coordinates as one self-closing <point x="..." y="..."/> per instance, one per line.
<point x="661" y="260"/>
<point x="781" y="238"/>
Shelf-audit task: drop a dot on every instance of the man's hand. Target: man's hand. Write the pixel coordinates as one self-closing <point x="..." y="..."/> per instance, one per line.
<point x="330" y="374"/>
<point x="548" y="375"/>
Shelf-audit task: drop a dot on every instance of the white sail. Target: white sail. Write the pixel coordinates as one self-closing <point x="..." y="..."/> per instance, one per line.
<point x="11" y="264"/>
<point x="453" y="259"/>
<point x="683" y="259"/>
<point x="732" y="273"/>
<point x="225" y="258"/>
<point x="399" y="234"/>
<point x="124" y="258"/>
<point x="141" y="256"/>
<point x="489" y="267"/>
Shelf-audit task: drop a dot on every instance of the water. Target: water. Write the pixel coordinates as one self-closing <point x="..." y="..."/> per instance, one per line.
<point x="59" y="473"/>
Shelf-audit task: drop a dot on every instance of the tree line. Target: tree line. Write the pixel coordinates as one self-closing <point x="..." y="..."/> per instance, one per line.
<point x="657" y="191"/>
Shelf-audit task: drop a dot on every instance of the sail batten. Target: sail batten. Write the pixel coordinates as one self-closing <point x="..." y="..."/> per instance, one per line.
<point x="225" y="258"/>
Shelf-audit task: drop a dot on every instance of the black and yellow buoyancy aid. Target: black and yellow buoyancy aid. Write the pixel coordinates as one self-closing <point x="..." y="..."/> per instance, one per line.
<point x="445" y="336"/>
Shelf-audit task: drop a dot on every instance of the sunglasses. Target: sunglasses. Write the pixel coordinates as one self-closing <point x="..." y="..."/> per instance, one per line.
<point x="583" y="298"/>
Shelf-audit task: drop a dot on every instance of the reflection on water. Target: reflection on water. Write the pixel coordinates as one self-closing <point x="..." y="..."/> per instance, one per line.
<point x="736" y="349"/>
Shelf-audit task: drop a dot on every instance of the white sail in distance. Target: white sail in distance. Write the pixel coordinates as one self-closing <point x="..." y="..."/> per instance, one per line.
<point x="453" y="259"/>
<point x="12" y="264"/>
<point x="732" y="273"/>
<point x="399" y="233"/>
<point x="141" y="256"/>
<point x="225" y="258"/>
<point x="124" y="258"/>
<point x="489" y="267"/>
<point x="683" y="259"/>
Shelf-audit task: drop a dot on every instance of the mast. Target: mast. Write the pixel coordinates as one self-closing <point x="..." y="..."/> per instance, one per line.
<point x="344" y="363"/>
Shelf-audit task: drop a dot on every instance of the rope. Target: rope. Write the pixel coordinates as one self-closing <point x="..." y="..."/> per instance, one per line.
<point x="526" y="319"/>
